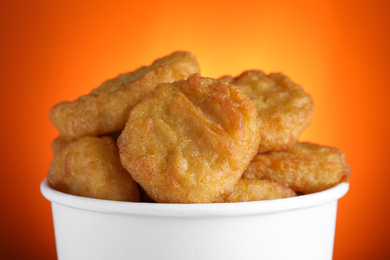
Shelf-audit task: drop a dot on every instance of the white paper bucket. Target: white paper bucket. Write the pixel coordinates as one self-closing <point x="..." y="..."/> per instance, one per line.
<point x="294" y="228"/>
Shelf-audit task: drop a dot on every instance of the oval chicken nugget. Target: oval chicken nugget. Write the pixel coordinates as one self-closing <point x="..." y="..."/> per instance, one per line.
<point x="190" y="141"/>
<point x="283" y="106"/>
<point x="305" y="167"/>
<point x="105" y="109"/>
<point x="254" y="190"/>
<point x="90" y="167"/>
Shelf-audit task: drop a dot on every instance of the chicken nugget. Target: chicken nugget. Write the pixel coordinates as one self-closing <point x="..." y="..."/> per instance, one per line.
<point x="90" y="167"/>
<point x="254" y="190"/>
<point x="305" y="167"/>
<point x="190" y="141"/>
<point x="105" y="109"/>
<point x="283" y="106"/>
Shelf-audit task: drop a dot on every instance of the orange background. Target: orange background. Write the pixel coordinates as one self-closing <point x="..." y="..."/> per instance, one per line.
<point x="58" y="50"/>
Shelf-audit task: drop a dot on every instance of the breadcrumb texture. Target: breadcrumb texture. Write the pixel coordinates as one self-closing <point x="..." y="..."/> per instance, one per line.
<point x="90" y="167"/>
<point x="305" y="167"/>
<point x="58" y="144"/>
<point x="284" y="107"/>
<point x="255" y="190"/>
<point x="106" y="108"/>
<point x="190" y="141"/>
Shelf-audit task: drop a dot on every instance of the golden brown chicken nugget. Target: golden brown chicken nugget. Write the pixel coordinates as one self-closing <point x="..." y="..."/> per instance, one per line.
<point x="90" y="167"/>
<point x="190" y="141"/>
<point x="305" y="167"/>
<point x="283" y="106"/>
<point x="105" y="109"/>
<point x="254" y="190"/>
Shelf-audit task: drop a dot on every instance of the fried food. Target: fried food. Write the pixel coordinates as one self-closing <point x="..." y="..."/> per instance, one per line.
<point x="190" y="141"/>
<point x="90" y="167"/>
<point x="284" y="108"/>
<point x="254" y="190"/>
<point x="305" y="167"/>
<point x="106" y="109"/>
<point x="58" y="144"/>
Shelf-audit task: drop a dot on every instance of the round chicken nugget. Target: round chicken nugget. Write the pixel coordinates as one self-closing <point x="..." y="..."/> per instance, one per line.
<point x="90" y="167"/>
<point x="284" y="108"/>
<point x="305" y="167"/>
<point x="254" y="190"/>
<point x="190" y="141"/>
<point x="106" y="109"/>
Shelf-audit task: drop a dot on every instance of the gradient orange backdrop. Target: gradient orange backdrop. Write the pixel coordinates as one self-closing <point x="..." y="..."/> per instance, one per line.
<point x="58" y="50"/>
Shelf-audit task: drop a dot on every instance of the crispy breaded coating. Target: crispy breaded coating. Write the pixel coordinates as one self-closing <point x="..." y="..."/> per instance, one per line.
<point x="58" y="144"/>
<point x="254" y="190"/>
<point x="90" y="167"/>
<point x="283" y="106"/>
<point x="106" y="109"/>
<point x="305" y="167"/>
<point x="190" y="141"/>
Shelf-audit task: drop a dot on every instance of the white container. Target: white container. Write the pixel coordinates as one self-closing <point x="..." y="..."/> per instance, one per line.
<point x="294" y="228"/>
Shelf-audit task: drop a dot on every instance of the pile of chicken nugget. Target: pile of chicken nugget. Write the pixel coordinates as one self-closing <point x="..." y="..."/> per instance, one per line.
<point x="163" y="133"/>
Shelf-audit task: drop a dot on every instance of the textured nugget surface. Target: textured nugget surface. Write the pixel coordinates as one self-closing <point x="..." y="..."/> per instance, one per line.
<point x="90" y="167"/>
<point x="190" y="141"/>
<point x="58" y="144"/>
<point x="305" y="167"/>
<point x="105" y="109"/>
<point x="283" y="106"/>
<point x="254" y="190"/>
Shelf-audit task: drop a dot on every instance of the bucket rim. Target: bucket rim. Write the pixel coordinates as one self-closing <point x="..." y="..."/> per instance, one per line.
<point x="194" y="210"/>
